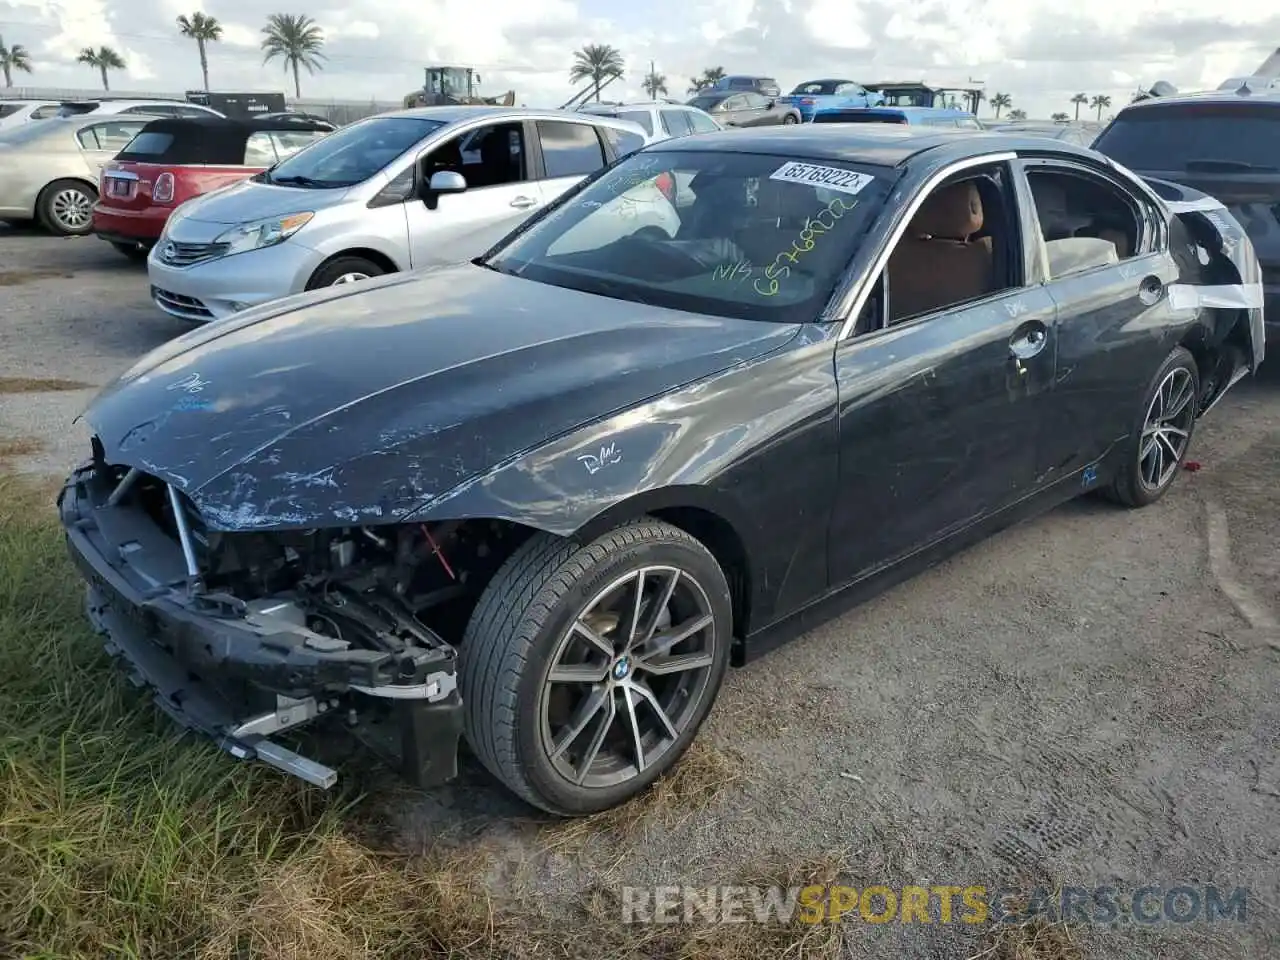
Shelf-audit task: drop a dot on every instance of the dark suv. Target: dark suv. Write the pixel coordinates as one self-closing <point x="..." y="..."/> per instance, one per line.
<point x="1223" y="143"/>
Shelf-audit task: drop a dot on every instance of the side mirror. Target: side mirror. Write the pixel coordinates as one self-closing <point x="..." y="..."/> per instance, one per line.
<point x="446" y="181"/>
<point x="772" y="104"/>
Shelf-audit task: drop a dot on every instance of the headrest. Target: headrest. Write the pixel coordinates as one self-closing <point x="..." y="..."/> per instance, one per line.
<point x="1053" y="207"/>
<point x="952" y="213"/>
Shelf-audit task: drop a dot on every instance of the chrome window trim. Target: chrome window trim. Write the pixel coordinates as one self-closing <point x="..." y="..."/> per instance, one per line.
<point x="855" y="299"/>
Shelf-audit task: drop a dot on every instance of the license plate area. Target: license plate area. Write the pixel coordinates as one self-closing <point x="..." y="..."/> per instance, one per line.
<point x="119" y="188"/>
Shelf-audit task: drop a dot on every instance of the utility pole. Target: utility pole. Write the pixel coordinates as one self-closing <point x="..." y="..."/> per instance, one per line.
<point x="653" y="93"/>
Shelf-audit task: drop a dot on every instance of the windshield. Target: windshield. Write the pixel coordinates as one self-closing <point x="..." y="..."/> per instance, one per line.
<point x="732" y="234"/>
<point x="351" y="154"/>
<point x="1171" y="137"/>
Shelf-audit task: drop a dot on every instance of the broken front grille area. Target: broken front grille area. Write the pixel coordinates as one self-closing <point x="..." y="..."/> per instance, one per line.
<point x="167" y="509"/>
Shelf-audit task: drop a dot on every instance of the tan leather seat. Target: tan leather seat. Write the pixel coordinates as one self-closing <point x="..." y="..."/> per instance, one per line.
<point x="936" y="262"/>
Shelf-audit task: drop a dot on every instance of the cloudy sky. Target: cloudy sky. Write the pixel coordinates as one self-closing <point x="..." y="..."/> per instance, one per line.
<point x="1032" y="49"/>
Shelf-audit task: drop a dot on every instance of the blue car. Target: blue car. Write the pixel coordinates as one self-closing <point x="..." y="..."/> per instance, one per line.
<point x="913" y="116"/>
<point x="814" y="95"/>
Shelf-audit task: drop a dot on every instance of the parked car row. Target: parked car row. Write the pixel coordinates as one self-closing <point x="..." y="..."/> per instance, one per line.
<point x="371" y="203"/>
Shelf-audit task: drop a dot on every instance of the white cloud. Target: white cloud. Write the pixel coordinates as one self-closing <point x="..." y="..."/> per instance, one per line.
<point x="1038" y="51"/>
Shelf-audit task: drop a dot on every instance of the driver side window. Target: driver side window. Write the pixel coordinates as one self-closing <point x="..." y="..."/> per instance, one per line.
<point x="489" y="156"/>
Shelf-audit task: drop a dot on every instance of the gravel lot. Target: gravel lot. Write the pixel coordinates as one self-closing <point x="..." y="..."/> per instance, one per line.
<point x="1086" y="699"/>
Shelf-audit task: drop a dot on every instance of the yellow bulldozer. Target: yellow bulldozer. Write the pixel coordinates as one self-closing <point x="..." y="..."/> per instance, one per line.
<point x="449" y="86"/>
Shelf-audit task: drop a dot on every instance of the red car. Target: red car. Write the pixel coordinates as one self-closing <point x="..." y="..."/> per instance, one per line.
<point x="172" y="160"/>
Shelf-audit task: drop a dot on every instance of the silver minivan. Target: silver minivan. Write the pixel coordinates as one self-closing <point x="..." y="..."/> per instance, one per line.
<point x="393" y="192"/>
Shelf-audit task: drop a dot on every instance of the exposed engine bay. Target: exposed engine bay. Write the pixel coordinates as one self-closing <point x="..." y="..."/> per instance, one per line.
<point x="244" y="635"/>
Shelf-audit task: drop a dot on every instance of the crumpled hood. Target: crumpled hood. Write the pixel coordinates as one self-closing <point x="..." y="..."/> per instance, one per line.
<point x="365" y="402"/>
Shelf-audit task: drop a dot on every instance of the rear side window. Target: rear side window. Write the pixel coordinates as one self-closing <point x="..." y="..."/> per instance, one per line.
<point x="1185" y="137"/>
<point x="676" y="123"/>
<point x="701" y="122"/>
<point x="622" y="141"/>
<point x="642" y="117"/>
<point x="260" y="150"/>
<point x="741" y="83"/>
<point x="108" y="136"/>
<point x="569" y="149"/>
<point x="45" y="112"/>
<point x="7" y="109"/>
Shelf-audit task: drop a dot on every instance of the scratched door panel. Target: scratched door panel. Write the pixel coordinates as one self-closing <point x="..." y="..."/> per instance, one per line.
<point x="1109" y="345"/>
<point x="938" y="426"/>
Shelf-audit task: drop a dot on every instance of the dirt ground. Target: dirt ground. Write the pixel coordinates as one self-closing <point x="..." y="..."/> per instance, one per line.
<point x="1087" y="699"/>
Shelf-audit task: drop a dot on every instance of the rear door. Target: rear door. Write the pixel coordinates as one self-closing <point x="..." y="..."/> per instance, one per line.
<point x="1229" y="149"/>
<point x="1104" y="258"/>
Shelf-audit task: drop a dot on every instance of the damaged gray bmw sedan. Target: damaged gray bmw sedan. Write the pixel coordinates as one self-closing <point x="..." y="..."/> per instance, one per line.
<point x="542" y="500"/>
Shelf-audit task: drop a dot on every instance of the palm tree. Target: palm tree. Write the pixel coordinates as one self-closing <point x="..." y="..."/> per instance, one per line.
<point x="1100" y="101"/>
<point x="596" y="62"/>
<point x="1060" y="117"/>
<point x="202" y="30"/>
<point x="999" y="102"/>
<point x="13" y="58"/>
<point x="296" y="39"/>
<point x="102" y="60"/>
<point x="654" y="84"/>
<point x="1079" y="100"/>
<point x="1017" y="114"/>
<point x="708" y="79"/>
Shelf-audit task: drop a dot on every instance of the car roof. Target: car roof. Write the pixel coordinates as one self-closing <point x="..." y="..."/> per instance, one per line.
<point x="803" y="83"/>
<point x="631" y="104"/>
<point x="878" y="144"/>
<point x="458" y="114"/>
<point x="1265" y="97"/>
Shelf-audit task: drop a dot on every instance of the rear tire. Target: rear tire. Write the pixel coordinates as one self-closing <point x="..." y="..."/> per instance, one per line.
<point x="344" y="270"/>
<point x="65" y="208"/>
<point x="1162" y="433"/>
<point x="569" y="744"/>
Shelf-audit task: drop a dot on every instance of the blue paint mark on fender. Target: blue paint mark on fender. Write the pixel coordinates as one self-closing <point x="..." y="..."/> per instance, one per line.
<point x="1090" y="475"/>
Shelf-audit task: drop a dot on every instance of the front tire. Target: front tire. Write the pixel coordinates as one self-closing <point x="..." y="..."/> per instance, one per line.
<point x="344" y="270"/>
<point x="66" y="208"/>
<point x="790" y="119"/>
<point x="587" y="670"/>
<point x="1162" y="434"/>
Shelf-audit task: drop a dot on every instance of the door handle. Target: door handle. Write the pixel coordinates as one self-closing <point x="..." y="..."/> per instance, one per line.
<point x="523" y="203"/>
<point x="1028" y="342"/>
<point x="1151" y="289"/>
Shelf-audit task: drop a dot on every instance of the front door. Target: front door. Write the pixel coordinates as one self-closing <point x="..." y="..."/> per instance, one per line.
<point x="940" y="409"/>
<point x="501" y="193"/>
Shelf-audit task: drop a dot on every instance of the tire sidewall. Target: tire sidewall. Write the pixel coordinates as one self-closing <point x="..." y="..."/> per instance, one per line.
<point x="324" y="276"/>
<point x="542" y="776"/>
<point x="1129" y="483"/>
<point x="46" y="207"/>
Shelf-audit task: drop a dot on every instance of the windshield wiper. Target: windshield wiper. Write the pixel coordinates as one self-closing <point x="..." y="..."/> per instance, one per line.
<point x="1228" y="166"/>
<point x="300" y="181"/>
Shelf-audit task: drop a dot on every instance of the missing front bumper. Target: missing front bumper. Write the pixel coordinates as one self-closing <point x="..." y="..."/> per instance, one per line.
<point x="239" y="677"/>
